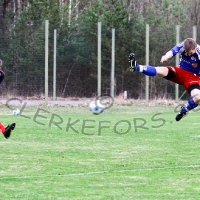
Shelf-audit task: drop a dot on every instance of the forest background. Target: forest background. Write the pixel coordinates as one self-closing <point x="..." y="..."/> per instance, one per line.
<point x="22" y="43"/>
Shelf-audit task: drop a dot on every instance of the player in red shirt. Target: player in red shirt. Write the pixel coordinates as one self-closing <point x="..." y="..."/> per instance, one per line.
<point x="186" y="74"/>
<point x="5" y="130"/>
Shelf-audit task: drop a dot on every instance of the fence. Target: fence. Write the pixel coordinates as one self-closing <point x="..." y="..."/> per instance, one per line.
<point x="44" y="59"/>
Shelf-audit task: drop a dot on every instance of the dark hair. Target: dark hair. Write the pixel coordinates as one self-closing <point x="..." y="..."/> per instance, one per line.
<point x="189" y="44"/>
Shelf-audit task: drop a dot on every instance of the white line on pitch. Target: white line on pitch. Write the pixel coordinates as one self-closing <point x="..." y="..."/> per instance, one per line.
<point x="102" y="172"/>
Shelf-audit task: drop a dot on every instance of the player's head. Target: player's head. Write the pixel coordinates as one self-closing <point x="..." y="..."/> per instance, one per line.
<point x="190" y="45"/>
<point x="1" y="63"/>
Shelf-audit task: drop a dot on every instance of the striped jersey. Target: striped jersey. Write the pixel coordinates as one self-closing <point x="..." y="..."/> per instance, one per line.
<point x="188" y="62"/>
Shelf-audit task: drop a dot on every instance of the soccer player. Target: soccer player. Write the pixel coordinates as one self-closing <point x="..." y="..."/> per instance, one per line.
<point x="5" y="130"/>
<point x="186" y="74"/>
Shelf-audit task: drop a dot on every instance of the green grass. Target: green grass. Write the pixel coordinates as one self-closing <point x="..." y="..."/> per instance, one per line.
<point x="139" y="152"/>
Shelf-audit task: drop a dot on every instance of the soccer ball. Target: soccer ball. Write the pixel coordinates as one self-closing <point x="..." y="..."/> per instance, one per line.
<point x="96" y="107"/>
<point x="16" y="111"/>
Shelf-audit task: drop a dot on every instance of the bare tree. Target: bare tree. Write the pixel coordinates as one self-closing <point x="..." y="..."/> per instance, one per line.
<point x="1" y="16"/>
<point x="194" y="16"/>
<point x="70" y="12"/>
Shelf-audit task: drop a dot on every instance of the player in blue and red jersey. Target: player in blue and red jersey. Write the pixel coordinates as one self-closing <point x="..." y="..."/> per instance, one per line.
<point x="186" y="74"/>
<point x="5" y="130"/>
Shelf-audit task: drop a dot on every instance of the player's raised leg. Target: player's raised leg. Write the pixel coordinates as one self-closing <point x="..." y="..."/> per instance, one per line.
<point x="146" y="69"/>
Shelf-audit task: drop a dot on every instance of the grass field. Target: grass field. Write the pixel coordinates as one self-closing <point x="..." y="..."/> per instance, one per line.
<point x="128" y="152"/>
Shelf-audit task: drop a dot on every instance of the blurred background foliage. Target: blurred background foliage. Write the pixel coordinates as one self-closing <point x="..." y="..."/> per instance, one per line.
<point x="22" y="42"/>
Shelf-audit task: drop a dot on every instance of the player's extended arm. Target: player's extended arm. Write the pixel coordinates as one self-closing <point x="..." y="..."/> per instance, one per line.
<point x="167" y="56"/>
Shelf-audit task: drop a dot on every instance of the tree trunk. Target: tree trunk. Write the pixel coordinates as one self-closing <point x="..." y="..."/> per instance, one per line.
<point x="70" y="12"/>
